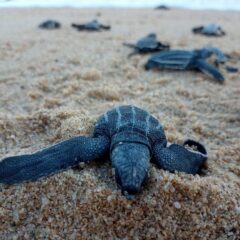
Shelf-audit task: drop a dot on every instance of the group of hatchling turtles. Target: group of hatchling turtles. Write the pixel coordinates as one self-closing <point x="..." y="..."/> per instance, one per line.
<point x="164" y="58"/>
<point x="129" y="136"/>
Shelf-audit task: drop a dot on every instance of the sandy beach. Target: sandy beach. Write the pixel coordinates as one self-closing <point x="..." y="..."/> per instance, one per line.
<point x="55" y="84"/>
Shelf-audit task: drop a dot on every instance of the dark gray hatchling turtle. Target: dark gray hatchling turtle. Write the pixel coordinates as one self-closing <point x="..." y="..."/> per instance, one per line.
<point x="129" y="135"/>
<point x="209" y="30"/>
<point x="50" y="24"/>
<point x="148" y="44"/>
<point x="231" y="69"/>
<point x="91" y="26"/>
<point x="188" y="60"/>
<point x="162" y="7"/>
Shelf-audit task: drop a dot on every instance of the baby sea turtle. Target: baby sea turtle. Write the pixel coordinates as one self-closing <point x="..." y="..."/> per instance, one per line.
<point x="129" y="135"/>
<point x="91" y="26"/>
<point x="147" y="44"/>
<point x="188" y="60"/>
<point x="50" y="24"/>
<point x="231" y="69"/>
<point x="162" y="7"/>
<point x="209" y="30"/>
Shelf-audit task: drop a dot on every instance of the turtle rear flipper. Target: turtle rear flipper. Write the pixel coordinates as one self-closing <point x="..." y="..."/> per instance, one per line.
<point x="52" y="159"/>
<point x="221" y="32"/>
<point x="208" y="69"/>
<point x="163" y="46"/>
<point x="178" y="158"/>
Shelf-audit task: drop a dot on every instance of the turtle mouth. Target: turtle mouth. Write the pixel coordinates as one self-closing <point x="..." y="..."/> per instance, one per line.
<point x="127" y="189"/>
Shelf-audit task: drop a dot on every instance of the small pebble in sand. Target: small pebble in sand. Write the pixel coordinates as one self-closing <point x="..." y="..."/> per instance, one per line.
<point x="177" y="205"/>
<point x="104" y="93"/>
<point x="35" y="95"/>
<point x="91" y="75"/>
<point x="238" y="210"/>
<point x="51" y="103"/>
<point x="45" y="202"/>
<point x="183" y="92"/>
<point x="197" y="128"/>
<point x="131" y="72"/>
<point x="43" y="85"/>
<point x="75" y="125"/>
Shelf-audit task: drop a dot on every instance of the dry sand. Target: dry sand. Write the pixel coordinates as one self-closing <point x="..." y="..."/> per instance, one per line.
<point x="54" y="84"/>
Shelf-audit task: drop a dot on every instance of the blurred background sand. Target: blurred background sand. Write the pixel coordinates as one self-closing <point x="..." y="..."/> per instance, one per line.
<point x="54" y="85"/>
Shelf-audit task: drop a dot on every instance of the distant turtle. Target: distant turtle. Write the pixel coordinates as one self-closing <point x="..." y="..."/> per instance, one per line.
<point x="130" y="136"/>
<point x="231" y="69"/>
<point x="50" y="24"/>
<point x="91" y="26"/>
<point x="162" y="7"/>
<point x="188" y="60"/>
<point x="209" y="30"/>
<point x="148" y="44"/>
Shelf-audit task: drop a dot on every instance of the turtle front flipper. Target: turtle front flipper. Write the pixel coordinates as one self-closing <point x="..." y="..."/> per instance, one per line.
<point x="178" y="158"/>
<point x="52" y="159"/>
<point x="129" y="45"/>
<point x="208" y="69"/>
<point x="79" y="27"/>
<point x="136" y="50"/>
<point x="162" y="46"/>
<point x="105" y="27"/>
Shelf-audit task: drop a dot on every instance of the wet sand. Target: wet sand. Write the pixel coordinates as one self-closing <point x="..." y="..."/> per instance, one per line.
<point x="54" y="85"/>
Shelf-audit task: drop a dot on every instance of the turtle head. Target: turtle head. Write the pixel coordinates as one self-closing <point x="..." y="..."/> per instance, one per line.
<point x="152" y="35"/>
<point x="131" y="162"/>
